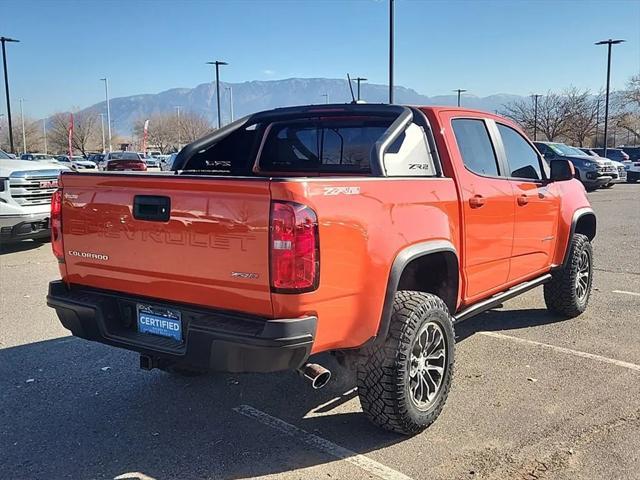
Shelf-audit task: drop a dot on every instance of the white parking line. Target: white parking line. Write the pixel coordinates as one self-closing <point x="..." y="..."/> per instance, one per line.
<point x="319" y="443"/>
<point x="577" y="353"/>
<point x="627" y="293"/>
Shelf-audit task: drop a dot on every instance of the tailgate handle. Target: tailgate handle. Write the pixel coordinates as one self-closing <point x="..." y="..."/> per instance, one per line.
<point x="152" y="208"/>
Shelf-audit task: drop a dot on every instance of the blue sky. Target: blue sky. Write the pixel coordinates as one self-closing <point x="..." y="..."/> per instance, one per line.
<point x="486" y="47"/>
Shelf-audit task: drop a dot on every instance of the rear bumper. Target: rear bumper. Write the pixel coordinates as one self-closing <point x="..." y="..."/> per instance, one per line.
<point x="212" y="340"/>
<point x="21" y="227"/>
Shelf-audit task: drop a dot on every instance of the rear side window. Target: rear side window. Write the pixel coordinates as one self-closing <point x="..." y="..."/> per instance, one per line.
<point x="475" y="146"/>
<point x="327" y="146"/>
<point x="522" y="158"/>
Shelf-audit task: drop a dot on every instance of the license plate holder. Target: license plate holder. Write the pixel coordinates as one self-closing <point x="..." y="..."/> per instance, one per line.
<point x="159" y="321"/>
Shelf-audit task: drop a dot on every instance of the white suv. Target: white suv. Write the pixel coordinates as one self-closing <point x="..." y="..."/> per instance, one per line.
<point x="25" y="198"/>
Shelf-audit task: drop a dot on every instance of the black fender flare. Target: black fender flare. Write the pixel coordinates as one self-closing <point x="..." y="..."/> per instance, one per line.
<point x="403" y="258"/>
<point x="577" y="215"/>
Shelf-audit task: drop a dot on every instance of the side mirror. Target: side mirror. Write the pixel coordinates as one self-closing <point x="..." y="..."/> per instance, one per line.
<point x="561" y="170"/>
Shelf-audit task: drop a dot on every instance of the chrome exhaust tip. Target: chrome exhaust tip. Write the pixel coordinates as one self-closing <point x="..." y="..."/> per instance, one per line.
<point x="316" y="374"/>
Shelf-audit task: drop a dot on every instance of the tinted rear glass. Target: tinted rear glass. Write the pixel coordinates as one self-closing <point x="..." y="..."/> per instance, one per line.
<point x="124" y="156"/>
<point x="331" y="145"/>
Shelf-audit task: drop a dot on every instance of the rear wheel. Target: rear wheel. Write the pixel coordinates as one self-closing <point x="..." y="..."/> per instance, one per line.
<point x="403" y="383"/>
<point x="568" y="291"/>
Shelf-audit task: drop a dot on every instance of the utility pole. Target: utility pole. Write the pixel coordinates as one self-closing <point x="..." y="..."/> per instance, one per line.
<point x="390" y="51"/>
<point x="4" y="40"/>
<point x="44" y="129"/>
<point x="24" y="136"/>
<point x="217" y="63"/>
<point x="106" y="94"/>
<point x="358" y="80"/>
<point x="535" y="116"/>
<point x="606" y="100"/>
<point x="460" y="91"/>
<point x="326" y="97"/>
<point x="230" y="101"/>
<point x="177" y="107"/>
<point x="102" y="124"/>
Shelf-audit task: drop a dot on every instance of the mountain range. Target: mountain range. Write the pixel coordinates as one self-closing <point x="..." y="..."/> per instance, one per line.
<point x="254" y="96"/>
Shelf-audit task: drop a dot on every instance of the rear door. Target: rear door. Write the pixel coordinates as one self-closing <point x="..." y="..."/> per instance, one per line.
<point x="195" y="240"/>
<point x="536" y="203"/>
<point x="487" y="207"/>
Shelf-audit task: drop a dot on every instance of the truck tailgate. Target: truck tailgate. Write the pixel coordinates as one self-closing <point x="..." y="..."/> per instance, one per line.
<point x="211" y="250"/>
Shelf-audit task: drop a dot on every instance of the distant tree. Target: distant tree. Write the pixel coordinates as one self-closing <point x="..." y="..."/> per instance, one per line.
<point x="167" y="132"/>
<point x="32" y="135"/>
<point x="553" y="113"/>
<point x="85" y="133"/>
<point x="581" y="120"/>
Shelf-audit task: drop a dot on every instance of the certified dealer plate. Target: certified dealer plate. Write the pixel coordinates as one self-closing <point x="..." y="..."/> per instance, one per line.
<point x="159" y="321"/>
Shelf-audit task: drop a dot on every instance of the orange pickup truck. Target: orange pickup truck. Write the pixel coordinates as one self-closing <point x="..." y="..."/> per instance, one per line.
<point x="363" y="230"/>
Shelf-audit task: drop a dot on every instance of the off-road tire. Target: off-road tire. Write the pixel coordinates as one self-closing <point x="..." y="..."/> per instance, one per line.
<point x="560" y="294"/>
<point x="383" y="375"/>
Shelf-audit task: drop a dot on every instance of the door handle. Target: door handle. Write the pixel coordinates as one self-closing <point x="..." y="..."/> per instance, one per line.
<point x="523" y="200"/>
<point x="476" y="201"/>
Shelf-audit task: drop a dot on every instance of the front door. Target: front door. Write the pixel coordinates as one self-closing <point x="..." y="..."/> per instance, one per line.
<point x="536" y="203"/>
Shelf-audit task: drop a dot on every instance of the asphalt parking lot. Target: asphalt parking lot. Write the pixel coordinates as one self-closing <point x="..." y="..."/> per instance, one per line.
<point x="533" y="397"/>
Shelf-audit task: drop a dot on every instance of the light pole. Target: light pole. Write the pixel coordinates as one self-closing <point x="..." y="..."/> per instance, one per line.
<point x="4" y="40"/>
<point x="460" y="91"/>
<point x="217" y="63"/>
<point x="606" y="98"/>
<point x="230" y="101"/>
<point x="326" y="97"/>
<point x="24" y="136"/>
<point x="106" y="95"/>
<point x="390" y="51"/>
<point x="102" y="124"/>
<point x="358" y="80"/>
<point x="177" y="107"/>
<point x="44" y="130"/>
<point x="535" y="115"/>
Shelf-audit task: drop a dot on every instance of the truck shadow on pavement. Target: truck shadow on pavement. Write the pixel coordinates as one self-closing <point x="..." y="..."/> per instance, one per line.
<point x="22" y="246"/>
<point x="75" y="409"/>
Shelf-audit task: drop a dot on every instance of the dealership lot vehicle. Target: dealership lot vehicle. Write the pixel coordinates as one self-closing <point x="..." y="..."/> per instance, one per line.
<point x="77" y="163"/>
<point x="281" y="233"/>
<point x="39" y="157"/>
<point x="593" y="172"/>
<point x="617" y="177"/>
<point x="513" y="406"/>
<point x="123" y="161"/>
<point x="26" y="187"/>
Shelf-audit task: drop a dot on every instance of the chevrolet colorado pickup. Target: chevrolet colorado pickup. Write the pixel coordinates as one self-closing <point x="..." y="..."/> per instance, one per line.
<point x="363" y="230"/>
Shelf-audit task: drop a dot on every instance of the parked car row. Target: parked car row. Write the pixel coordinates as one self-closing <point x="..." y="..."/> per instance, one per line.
<point x="592" y="169"/>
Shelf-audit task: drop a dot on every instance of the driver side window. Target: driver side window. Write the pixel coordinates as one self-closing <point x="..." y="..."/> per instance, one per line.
<point x="522" y="159"/>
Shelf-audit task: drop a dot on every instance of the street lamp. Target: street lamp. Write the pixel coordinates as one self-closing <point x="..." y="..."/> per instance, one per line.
<point x="217" y="63"/>
<point x="102" y="124"/>
<point x="358" y="80"/>
<point x="390" y="51"/>
<point x="106" y="95"/>
<point x="326" y="97"/>
<point x="178" y="107"/>
<point x="606" y="100"/>
<point x="460" y="91"/>
<point x="4" y="40"/>
<point x="535" y="115"/>
<point x="24" y="136"/>
<point x="44" y="130"/>
<point x="230" y="101"/>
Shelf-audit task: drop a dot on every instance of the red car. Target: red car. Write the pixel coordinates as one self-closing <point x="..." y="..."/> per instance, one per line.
<point x="124" y="161"/>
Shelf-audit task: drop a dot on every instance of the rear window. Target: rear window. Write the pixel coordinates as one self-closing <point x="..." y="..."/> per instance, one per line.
<point x="319" y="145"/>
<point x="124" y="156"/>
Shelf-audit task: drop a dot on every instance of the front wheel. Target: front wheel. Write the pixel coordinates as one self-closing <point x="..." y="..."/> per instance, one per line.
<point x="568" y="291"/>
<point x="404" y="381"/>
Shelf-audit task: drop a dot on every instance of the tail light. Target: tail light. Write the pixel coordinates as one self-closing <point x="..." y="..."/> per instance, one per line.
<point x="56" y="225"/>
<point x="295" y="251"/>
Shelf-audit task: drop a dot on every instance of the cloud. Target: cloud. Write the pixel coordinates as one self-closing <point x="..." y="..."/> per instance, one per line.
<point x="269" y="72"/>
